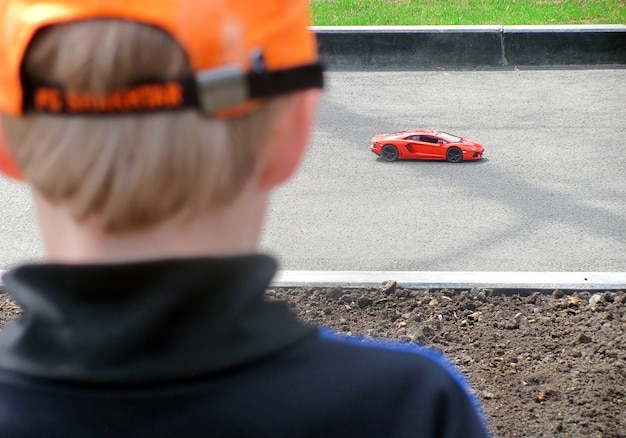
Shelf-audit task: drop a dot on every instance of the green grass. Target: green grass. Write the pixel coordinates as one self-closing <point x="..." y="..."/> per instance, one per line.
<point x="453" y="12"/>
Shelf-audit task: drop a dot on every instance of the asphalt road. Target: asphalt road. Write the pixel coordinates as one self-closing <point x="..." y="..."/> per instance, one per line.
<point x="550" y="194"/>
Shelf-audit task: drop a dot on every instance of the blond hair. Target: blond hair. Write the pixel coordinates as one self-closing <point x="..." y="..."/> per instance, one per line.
<point x="128" y="171"/>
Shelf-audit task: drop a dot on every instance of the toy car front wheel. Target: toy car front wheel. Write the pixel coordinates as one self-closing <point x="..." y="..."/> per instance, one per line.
<point x="389" y="153"/>
<point x="454" y="155"/>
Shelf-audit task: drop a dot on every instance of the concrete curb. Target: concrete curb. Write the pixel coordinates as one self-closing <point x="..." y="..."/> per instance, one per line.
<point x="430" y="47"/>
<point x="451" y="280"/>
<point x="455" y="280"/>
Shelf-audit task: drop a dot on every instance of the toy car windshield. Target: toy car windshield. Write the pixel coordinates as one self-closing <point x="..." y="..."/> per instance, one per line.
<point x="449" y="137"/>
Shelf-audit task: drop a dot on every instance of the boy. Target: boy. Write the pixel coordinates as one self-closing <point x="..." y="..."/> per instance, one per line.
<point x="152" y="134"/>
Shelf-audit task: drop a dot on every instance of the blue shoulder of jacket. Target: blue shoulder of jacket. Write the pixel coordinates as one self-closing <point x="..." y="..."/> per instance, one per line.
<point x="415" y="349"/>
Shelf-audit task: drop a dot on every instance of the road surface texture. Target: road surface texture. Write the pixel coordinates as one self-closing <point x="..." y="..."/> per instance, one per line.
<point x="550" y="194"/>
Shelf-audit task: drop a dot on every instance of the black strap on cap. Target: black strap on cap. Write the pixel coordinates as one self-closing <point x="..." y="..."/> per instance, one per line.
<point x="263" y="85"/>
<point x="209" y="90"/>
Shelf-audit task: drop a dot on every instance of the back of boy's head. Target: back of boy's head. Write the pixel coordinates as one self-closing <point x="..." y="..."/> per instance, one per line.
<point x="135" y="115"/>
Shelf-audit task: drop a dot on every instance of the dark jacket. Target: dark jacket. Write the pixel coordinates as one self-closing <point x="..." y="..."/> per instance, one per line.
<point x="186" y="348"/>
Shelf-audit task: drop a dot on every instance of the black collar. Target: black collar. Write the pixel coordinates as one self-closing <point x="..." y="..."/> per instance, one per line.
<point x="143" y="322"/>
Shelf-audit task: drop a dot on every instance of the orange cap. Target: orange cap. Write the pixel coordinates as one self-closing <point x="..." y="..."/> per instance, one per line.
<point x="214" y="33"/>
<point x="224" y="41"/>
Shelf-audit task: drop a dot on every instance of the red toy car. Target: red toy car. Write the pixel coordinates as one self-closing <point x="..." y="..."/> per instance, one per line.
<point x="425" y="144"/>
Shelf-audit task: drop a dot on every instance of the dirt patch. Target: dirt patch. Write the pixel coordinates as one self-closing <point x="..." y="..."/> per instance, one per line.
<point x="543" y="364"/>
<point x="8" y="309"/>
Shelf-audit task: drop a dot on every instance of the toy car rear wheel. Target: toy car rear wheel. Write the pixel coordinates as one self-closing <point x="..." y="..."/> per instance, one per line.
<point x="389" y="153"/>
<point x="454" y="155"/>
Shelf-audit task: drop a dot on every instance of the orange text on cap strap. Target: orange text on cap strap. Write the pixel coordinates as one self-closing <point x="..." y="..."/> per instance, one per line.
<point x="149" y="97"/>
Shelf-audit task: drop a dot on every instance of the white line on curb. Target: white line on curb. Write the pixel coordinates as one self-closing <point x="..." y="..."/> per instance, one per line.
<point x="454" y="279"/>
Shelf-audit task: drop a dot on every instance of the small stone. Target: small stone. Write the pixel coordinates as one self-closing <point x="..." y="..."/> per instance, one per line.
<point x="480" y="294"/>
<point x="533" y="298"/>
<point x="469" y="305"/>
<point x="388" y="287"/>
<point x="402" y="293"/>
<point x="511" y="324"/>
<point x="347" y="298"/>
<point x="416" y="318"/>
<point x="476" y="316"/>
<point x="428" y="332"/>
<point x="465" y="359"/>
<point x="364" y="302"/>
<point x="594" y="300"/>
<point x="413" y="335"/>
<point x="433" y="302"/>
<point x="558" y="293"/>
<point x="487" y="395"/>
<point x="334" y="293"/>
<point x="573" y="301"/>
<point x="521" y="319"/>
<point x="582" y="339"/>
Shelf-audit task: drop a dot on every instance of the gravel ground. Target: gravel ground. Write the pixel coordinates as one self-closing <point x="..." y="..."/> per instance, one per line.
<point x="544" y="365"/>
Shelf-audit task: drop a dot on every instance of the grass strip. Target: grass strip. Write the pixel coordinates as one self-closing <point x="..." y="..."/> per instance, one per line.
<point x="466" y="12"/>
